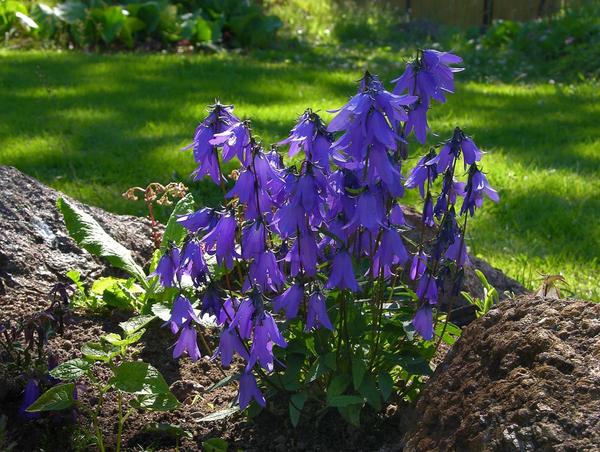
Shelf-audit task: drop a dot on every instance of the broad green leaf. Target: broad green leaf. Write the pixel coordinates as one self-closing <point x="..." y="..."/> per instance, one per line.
<point x="161" y="311"/>
<point x="296" y="404"/>
<point x="88" y="234"/>
<point x="344" y="400"/>
<point x="451" y="332"/>
<point x="338" y="385"/>
<point x="358" y="372"/>
<point x="215" y="445"/>
<point x="155" y="402"/>
<point x="415" y="365"/>
<point x="71" y="370"/>
<point x="351" y="413"/>
<point x="115" y="339"/>
<point x="174" y="232"/>
<point x="220" y="414"/>
<point x="368" y="389"/>
<point x="95" y="351"/>
<point x="138" y="377"/>
<point x="136" y="323"/>
<point x="56" y="398"/>
<point x="386" y="384"/>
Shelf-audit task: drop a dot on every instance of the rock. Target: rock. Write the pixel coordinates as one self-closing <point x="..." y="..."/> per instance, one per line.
<point x="462" y="313"/>
<point x="524" y="377"/>
<point x="35" y="248"/>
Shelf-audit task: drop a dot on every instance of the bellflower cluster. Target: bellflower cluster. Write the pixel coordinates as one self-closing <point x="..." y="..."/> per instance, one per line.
<point x="293" y="249"/>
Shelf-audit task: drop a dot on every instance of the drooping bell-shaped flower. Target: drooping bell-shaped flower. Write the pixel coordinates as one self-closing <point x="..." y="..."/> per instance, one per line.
<point x="30" y="395"/>
<point x="457" y="252"/>
<point x="423" y="322"/>
<point x="198" y="221"/>
<point x="342" y="273"/>
<point x="192" y="262"/>
<point x="181" y="313"/>
<point x="230" y="343"/>
<point x="418" y="266"/>
<point x="477" y="187"/>
<point x="167" y="268"/>
<point x="391" y="251"/>
<point x="422" y="174"/>
<point x="428" y="212"/>
<point x="317" y="316"/>
<point x="302" y="256"/>
<point x="254" y="240"/>
<point x="220" y="118"/>
<point x="266" y="334"/>
<point x="187" y="343"/>
<point x="211" y="301"/>
<point x="427" y="288"/>
<point x="310" y="135"/>
<point x="265" y="273"/>
<point x="249" y="390"/>
<point x="289" y="301"/>
<point x="235" y="142"/>
<point x="221" y="240"/>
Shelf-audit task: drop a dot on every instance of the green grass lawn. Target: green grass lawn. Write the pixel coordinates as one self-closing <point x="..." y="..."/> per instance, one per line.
<point x="92" y="126"/>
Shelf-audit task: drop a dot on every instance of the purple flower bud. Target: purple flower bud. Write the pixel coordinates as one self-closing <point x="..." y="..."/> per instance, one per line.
<point x="192" y="262"/>
<point x="428" y="212"/>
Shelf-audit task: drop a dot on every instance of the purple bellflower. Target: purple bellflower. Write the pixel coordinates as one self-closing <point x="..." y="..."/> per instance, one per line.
<point x="181" y="313"/>
<point x="289" y="301"/>
<point x="477" y="187"/>
<point x="316" y="316"/>
<point x="423" y="322"/>
<point x="342" y="274"/>
<point x="427" y="288"/>
<point x="198" y="221"/>
<point x="249" y="390"/>
<point x="221" y="240"/>
<point x="391" y="251"/>
<point x="187" y="342"/>
<point x="30" y="395"/>
<point x="418" y="266"/>
<point x="167" y="268"/>
<point x="230" y="343"/>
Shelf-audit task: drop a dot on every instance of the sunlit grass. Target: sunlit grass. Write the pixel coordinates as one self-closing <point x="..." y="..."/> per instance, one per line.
<point x="92" y="126"/>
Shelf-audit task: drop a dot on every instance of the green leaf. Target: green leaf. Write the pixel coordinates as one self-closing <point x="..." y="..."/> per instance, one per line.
<point x="155" y="402"/>
<point x="215" y="445"/>
<point x="136" y="323"/>
<point x="220" y="414"/>
<point x="161" y="311"/>
<point x="344" y="400"/>
<point x="71" y="370"/>
<point x="138" y="377"/>
<point x="415" y="365"/>
<point x="116" y="340"/>
<point x="386" y="384"/>
<point x="358" y="372"/>
<point x="451" y="332"/>
<point x="95" y="351"/>
<point x="223" y="382"/>
<point x="338" y="385"/>
<point x="88" y="234"/>
<point x="351" y="413"/>
<point x="57" y="398"/>
<point x="174" y="232"/>
<point x="368" y="389"/>
<point x="296" y="404"/>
